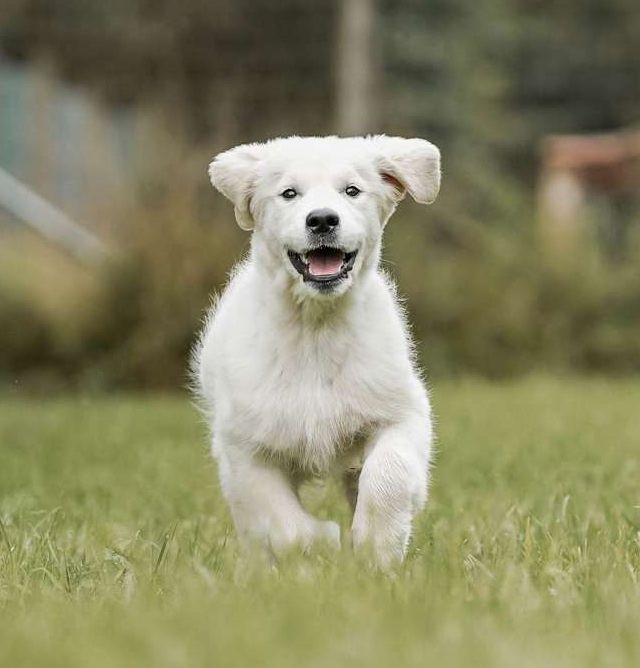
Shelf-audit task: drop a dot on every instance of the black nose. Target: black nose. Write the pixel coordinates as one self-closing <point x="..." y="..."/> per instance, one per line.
<point x="321" y="221"/>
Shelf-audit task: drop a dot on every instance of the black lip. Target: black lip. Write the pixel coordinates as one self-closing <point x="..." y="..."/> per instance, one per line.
<point x="323" y="281"/>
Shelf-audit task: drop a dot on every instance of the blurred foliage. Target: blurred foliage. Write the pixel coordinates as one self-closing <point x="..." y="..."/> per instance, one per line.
<point x="481" y="300"/>
<point x="485" y="81"/>
<point x="491" y="302"/>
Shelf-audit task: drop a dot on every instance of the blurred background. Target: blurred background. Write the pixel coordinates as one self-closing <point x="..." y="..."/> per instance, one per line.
<point x="112" y="240"/>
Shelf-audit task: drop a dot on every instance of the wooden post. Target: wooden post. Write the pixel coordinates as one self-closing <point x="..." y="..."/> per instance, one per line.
<point x="356" y="68"/>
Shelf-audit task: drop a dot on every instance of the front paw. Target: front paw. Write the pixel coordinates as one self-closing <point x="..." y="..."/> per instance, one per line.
<point x="381" y="543"/>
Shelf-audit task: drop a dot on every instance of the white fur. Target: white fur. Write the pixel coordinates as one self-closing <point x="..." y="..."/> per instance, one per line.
<point x="299" y="382"/>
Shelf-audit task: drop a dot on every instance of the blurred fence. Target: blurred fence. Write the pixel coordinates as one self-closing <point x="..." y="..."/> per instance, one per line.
<point x="66" y="145"/>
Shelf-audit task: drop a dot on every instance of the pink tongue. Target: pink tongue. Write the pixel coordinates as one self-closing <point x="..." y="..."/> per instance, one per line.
<point x="324" y="264"/>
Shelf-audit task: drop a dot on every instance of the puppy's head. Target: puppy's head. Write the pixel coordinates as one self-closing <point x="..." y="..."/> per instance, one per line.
<point x="318" y="205"/>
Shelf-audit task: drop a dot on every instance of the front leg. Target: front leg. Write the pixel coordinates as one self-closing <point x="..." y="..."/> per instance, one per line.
<point x="265" y="507"/>
<point x="392" y="488"/>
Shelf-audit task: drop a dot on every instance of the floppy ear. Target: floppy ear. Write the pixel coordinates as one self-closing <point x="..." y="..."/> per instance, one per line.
<point x="233" y="173"/>
<point x="409" y="165"/>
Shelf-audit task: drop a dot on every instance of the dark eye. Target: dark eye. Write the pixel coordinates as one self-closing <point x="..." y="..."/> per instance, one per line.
<point x="289" y="193"/>
<point x="352" y="191"/>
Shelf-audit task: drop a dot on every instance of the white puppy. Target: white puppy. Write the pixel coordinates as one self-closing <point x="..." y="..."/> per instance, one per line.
<point x="305" y="365"/>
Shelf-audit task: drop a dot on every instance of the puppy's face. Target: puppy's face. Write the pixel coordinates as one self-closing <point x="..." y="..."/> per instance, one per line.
<point x="318" y="206"/>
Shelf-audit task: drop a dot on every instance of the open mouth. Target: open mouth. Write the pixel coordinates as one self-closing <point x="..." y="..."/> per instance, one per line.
<point x="324" y="264"/>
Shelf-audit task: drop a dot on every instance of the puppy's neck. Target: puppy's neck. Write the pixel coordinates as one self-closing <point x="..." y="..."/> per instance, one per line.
<point x="317" y="312"/>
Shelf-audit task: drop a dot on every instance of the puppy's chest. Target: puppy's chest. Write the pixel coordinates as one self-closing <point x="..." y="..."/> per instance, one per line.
<point x="311" y="406"/>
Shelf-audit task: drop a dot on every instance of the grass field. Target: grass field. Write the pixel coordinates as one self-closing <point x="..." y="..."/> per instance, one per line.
<point x="116" y="550"/>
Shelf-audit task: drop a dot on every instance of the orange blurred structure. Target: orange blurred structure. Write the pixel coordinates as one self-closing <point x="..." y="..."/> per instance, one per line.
<point x="576" y="167"/>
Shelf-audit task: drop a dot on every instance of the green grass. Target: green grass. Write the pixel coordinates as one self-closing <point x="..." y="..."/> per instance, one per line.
<point x="116" y="550"/>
